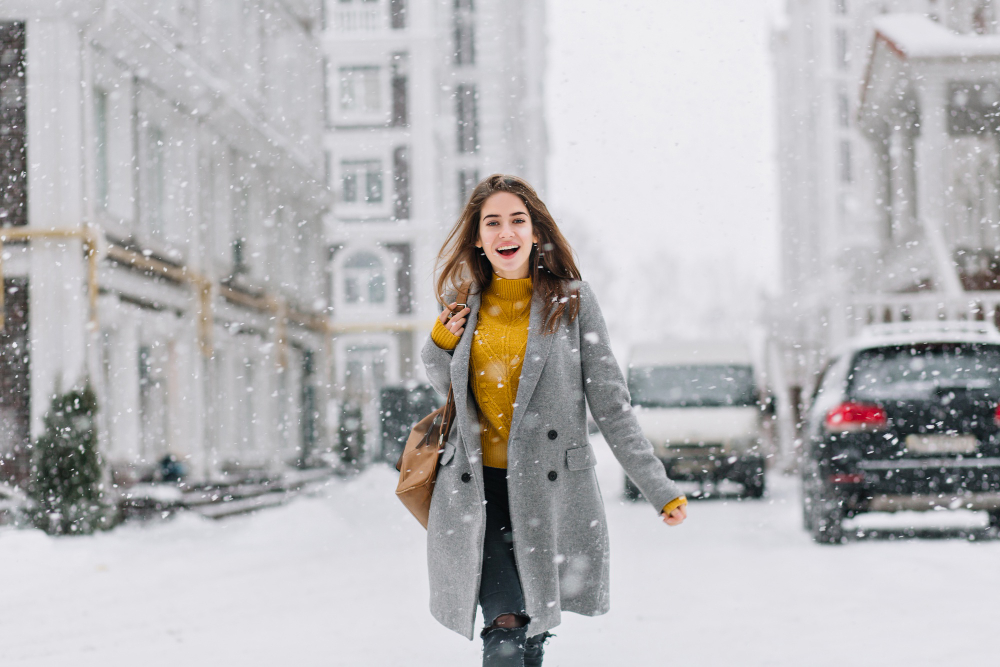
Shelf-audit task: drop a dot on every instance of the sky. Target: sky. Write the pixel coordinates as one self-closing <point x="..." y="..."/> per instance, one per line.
<point x="662" y="164"/>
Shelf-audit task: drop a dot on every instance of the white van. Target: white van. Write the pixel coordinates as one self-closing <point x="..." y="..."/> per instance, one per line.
<point x="697" y="402"/>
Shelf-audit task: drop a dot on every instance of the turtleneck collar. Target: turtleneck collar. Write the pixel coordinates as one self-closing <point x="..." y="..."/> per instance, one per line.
<point x="510" y="290"/>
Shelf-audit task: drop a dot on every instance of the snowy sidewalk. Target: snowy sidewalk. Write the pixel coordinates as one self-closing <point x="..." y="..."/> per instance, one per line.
<point x="339" y="579"/>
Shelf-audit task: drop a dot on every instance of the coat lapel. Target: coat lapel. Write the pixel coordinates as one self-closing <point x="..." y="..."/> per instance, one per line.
<point x="535" y="354"/>
<point x="469" y="427"/>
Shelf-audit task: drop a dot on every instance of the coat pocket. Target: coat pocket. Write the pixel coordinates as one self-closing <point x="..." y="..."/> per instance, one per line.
<point x="447" y="454"/>
<point x="580" y="458"/>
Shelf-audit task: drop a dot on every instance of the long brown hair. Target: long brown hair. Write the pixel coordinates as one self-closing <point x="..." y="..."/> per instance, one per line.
<point x="551" y="265"/>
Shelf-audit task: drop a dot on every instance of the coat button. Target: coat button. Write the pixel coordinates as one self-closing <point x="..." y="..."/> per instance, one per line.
<point x="466" y="477"/>
<point x="553" y="435"/>
<point x="552" y="475"/>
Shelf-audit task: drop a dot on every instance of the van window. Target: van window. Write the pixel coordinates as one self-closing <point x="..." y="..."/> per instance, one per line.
<point x="691" y="386"/>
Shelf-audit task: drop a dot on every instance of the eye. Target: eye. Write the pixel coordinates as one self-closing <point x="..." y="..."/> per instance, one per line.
<point x="517" y="220"/>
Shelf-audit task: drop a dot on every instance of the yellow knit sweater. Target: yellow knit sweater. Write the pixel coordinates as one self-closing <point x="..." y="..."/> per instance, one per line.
<point x="498" y="345"/>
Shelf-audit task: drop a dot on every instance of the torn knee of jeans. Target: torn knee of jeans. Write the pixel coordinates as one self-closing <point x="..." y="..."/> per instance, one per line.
<point x="506" y="622"/>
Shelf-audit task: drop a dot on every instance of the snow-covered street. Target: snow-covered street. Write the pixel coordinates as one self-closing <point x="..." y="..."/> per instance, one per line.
<point x="339" y="580"/>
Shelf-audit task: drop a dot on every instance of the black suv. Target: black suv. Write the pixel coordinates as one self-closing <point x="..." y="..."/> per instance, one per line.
<point x="906" y="418"/>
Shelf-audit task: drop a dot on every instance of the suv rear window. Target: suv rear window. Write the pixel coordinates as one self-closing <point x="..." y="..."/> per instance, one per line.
<point x="917" y="371"/>
<point x="691" y="386"/>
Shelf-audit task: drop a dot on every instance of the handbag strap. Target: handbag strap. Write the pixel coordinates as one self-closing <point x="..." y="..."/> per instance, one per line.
<point x="462" y="301"/>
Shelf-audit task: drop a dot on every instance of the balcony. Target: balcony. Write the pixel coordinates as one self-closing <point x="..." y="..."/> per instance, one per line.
<point x="362" y="18"/>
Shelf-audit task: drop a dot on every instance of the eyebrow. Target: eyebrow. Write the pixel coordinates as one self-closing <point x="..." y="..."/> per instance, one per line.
<point x="497" y="215"/>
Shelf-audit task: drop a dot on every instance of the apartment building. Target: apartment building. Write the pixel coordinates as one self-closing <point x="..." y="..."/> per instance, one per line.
<point x="424" y="98"/>
<point x="162" y="228"/>
<point x="888" y="164"/>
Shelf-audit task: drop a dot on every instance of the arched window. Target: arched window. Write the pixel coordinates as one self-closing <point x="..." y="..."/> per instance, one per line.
<point x="364" y="279"/>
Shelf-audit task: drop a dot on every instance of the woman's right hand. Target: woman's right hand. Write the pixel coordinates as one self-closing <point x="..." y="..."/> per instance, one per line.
<point x="452" y="321"/>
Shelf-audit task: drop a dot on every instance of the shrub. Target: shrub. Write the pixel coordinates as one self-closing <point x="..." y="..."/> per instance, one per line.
<point x="66" y="486"/>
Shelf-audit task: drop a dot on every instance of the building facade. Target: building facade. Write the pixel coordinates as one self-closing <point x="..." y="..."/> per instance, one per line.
<point x="888" y="154"/>
<point x="162" y="228"/>
<point x="424" y="98"/>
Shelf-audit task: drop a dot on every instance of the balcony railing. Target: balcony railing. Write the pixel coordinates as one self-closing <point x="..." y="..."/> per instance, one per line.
<point x="862" y="310"/>
<point x="371" y="17"/>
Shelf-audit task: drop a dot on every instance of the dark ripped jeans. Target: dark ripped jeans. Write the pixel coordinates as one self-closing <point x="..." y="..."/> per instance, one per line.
<point x="500" y="591"/>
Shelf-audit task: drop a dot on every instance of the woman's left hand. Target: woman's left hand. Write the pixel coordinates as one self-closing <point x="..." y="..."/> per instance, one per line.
<point x="676" y="517"/>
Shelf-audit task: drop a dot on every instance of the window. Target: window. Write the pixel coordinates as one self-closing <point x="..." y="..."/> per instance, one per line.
<point x="13" y="168"/>
<point x="366" y="371"/>
<point x="361" y="181"/>
<point x="464" y="33"/>
<point x="359" y="89"/>
<point x="364" y="279"/>
<point x="843" y="54"/>
<point x="845" y="161"/>
<point x="241" y="226"/>
<point x="401" y="179"/>
<point x="465" y="111"/>
<point x="327" y="115"/>
<point x="400" y="112"/>
<point x="397" y="14"/>
<point x="153" y="400"/>
<point x="246" y="423"/>
<point x="155" y="179"/>
<point x="843" y="110"/>
<point x="101" y="146"/>
<point x="467" y="180"/>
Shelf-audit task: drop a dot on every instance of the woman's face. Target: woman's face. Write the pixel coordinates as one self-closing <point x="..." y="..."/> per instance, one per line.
<point x="506" y="234"/>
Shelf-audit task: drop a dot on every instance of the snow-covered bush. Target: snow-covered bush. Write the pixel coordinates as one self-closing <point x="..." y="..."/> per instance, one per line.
<point x="66" y="486"/>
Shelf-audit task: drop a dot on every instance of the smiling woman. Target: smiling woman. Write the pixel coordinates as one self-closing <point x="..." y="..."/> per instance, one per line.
<point x="516" y="519"/>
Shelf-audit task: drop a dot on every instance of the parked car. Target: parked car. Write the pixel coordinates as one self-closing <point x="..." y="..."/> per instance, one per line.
<point x="906" y="417"/>
<point x="400" y="407"/>
<point x="697" y="402"/>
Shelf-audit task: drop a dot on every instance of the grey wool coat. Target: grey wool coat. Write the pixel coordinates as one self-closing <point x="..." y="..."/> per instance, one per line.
<point x="557" y="515"/>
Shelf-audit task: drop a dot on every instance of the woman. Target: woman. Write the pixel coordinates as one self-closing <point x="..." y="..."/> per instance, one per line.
<point x="516" y="519"/>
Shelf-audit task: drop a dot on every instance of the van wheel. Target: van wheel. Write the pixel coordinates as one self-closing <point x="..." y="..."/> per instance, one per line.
<point x="754" y="486"/>
<point x="753" y="479"/>
<point x="632" y="491"/>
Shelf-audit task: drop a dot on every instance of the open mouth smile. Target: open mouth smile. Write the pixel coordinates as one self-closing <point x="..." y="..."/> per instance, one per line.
<point x="508" y="250"/>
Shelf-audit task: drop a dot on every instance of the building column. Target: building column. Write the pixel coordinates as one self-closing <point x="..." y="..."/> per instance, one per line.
<point x="902" y="183"/>
<point x="58" y="273"/>
<point x="930" y="155"/>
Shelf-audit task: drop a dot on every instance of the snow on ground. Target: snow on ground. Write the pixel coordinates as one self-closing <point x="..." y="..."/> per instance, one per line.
<point x="339" y="579"/>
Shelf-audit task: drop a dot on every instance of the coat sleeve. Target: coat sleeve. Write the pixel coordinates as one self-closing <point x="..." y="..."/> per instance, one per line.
<point x="611" y="406"/>
<point x="437" y="363"/>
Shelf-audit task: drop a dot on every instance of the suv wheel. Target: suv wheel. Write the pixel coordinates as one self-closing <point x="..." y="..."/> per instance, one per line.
<point x="632" y="491"/>
<point x="827" y="518"/>
<point x="809" y="496"/>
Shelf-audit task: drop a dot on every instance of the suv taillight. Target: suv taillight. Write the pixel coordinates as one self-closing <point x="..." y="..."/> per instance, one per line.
<point x="996" y="417"/>
<point x="856" y="417"/>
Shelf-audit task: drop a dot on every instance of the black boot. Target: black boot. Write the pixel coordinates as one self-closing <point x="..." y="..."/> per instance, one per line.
<point x="534" y="649"/>
<point x="504" y="647"/>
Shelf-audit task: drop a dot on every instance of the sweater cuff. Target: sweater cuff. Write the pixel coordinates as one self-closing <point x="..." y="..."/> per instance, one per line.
<point x="674" y="504"/>
<point x="443" y="338"/>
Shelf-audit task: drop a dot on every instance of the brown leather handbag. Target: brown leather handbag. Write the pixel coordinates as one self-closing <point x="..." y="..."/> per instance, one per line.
<point x="419" y="462"/>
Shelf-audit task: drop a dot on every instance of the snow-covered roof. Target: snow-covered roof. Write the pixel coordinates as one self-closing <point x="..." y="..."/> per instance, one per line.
<point x="690" y="353"/>
<point x="908" y="333"/>
<point x="916" y="36"/>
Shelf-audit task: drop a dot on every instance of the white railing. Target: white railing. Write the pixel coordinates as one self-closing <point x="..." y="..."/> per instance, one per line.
<point x="361" y="19"/>
<point x="862" y="310"/>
